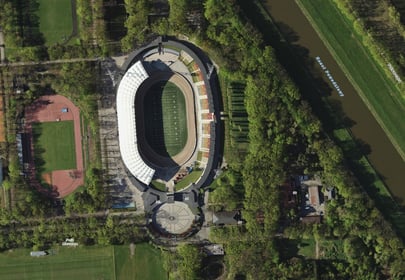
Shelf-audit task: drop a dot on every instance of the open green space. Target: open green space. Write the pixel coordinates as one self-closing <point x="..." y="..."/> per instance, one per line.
<point x="62" y="263"/>
<point x="165" y="119"/>
<point x="377" y="90"/>
<point x="55" y="20"/>
<point x="95" y="262"/>
<point x="158" y="185"/>
<point x="307" y="248"/>
<point x="54" y="145"/>
<point x="146" y="264"/>
<point x="188" y="179"/>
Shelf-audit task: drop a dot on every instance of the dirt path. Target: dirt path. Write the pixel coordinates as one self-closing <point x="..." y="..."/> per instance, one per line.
<point x="132" y="249"/>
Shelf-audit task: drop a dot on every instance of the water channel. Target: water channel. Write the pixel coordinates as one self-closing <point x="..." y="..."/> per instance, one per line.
<point x="382" y="155"/>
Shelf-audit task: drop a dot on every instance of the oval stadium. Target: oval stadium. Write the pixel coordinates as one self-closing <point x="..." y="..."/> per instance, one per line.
<point x="166" y="117"/>
<point x="167" y="132"/>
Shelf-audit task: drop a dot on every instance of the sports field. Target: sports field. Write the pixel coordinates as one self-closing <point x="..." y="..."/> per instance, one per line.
<point x="63" y="263"/>
<point x="95" y="262"/>
<point x="165" y="118"/>
<point x="369" y="79"/>
<point x="55" y="20"/>
<point x="146" y="264"/>
<point x="54" y="145"/>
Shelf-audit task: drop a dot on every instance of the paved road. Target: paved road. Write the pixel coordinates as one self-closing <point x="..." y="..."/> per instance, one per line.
<point x="2" y="53"/>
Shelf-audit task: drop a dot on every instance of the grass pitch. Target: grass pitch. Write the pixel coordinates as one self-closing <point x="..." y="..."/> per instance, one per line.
<point x="64" y="263"/>
<point x="146" y="264"/>
<point x="90" y="263"/>
<point x="55" y="20"/>
<point x="54" y="145"/>
<point x="378" y="91"/>
<point x="165" y="118"/>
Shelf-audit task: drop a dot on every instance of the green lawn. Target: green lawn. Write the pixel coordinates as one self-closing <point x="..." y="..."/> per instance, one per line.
<point x="165" y="119"/>
<point x="307" y="248"/>
<point x="145" y="265"/>
<point x="55" y="20"/>
<point x="158" y="185"/>
<point x="66" y="263"/>
<point x="54" y="145"/>
<point x="376" y="88"/>
<point x="187" y="180"/>
<point x="89" y="263"/>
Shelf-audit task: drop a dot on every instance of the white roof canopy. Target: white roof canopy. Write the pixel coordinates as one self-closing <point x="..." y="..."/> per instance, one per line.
<point x="126" y="93"/>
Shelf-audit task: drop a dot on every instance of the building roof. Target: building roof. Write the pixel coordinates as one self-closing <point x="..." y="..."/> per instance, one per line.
<point x="226" y="218"/>
<point x="126" y="93"/>
<point x="313" y="191"/>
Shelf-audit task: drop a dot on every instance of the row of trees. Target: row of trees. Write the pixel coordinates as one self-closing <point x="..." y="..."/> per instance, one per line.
<point x="379" y="25"/>
<point x="102" y="230"/>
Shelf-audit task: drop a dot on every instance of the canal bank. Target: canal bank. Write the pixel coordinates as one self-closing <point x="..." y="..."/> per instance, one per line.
<point x="354" y="113"/>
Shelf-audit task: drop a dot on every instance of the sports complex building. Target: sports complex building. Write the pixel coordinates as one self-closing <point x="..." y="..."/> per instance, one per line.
<point x="168" y="130"/>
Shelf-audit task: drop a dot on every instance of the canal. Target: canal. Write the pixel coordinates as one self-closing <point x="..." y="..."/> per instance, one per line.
<point x="381" y="153"/>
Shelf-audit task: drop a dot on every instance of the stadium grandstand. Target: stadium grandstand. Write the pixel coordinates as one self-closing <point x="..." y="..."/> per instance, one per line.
<point x="126" y="93"/>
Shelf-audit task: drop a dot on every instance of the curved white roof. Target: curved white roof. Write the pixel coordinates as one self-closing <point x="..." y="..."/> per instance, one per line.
<point x="126" y="93"/>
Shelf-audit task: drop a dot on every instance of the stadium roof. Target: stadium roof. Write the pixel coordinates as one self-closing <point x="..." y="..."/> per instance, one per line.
<point x="126" y="93"/>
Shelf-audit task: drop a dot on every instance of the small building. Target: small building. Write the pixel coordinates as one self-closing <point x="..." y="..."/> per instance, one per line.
<point x="38" y="253"/>
<point x="313" y="192"/>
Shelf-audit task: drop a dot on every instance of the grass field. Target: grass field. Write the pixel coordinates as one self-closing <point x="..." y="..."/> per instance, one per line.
<point x="55" y="20"/>
<point x="66" y="263"/>
<point x="96" y="262"/>
<point x="145" y="265"/>
<point x="377" y="90"/>
<point x="188" y="179"/>
<point x="165" y="119"/>
<point x="54" y="144"/>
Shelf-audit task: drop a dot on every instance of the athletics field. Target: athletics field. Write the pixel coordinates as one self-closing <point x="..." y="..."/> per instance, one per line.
<point x="165" y="118"/>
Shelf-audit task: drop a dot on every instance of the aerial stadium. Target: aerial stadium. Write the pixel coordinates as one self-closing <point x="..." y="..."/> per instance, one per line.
<point x="167" y="128"/>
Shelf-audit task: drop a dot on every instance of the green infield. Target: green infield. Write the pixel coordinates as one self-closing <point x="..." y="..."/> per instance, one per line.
<point x="146" y="264"/>
<point x="165" y="118"/>
<point x="55" y="20"/>
<point x="376" y="89"/>
<point x="54" y="145"/>
<point x="62" y="263"/>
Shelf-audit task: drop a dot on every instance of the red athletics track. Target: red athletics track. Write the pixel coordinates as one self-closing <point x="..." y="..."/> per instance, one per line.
<point x="49" y="108"/>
